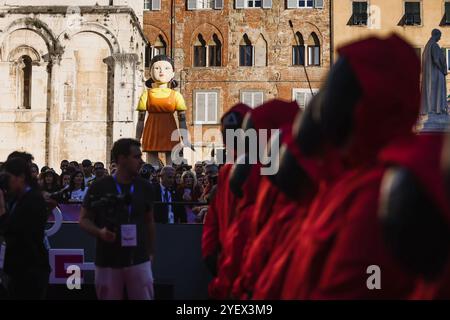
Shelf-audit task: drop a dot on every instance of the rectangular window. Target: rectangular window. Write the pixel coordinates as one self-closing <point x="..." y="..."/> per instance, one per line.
<point x="152" y="4"/>
<point x="360" y="15"/>
<point x="303" y="96"/>
<point x="205" y="4"/>
<point x="314" y="56"/>
<point x="305" y="3"/>
<point x="252" y="98"/>
<point x="298" y="55"/>
<point x="246" y="55"/>
<point x="254" y="3"/>
<point x="199" y="56"/>
<point x="206" y="107"/>
<point x="412" y="13"/>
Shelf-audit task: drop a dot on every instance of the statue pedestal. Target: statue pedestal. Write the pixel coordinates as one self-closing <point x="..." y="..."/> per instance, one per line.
<point x="433" y="122"/>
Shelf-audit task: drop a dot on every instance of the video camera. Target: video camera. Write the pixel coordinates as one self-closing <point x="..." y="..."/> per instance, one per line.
<point x="111" y="205"/>
<point x="61" y="196"/>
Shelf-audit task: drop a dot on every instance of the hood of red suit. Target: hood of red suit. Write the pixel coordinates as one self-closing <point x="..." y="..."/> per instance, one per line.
<point x="421" y="155"/>
<point x="388" y="71"/>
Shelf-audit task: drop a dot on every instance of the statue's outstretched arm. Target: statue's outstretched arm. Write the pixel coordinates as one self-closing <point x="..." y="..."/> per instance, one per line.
<point x="184" y="130"/>
<point x="140" y="125"/>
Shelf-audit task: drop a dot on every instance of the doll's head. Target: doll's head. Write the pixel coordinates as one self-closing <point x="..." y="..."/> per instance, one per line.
<point x="162" y="70"/>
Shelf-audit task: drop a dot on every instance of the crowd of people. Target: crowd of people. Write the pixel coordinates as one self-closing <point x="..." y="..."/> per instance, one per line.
<point x="192" y="187"/>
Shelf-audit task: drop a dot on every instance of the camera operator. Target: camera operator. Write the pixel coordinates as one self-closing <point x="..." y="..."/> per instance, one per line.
<point x="22" y="222"/>
<point x="117" y="210"/>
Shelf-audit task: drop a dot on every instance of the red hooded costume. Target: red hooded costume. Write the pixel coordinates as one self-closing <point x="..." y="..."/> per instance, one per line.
<point x="222" y="207"/>
<point x="273" y="218"/>
<point x="269" y="277"/>
<point x="271" y="115"/>
<point x="342" y="236"/>
<point x="422" y="158"/>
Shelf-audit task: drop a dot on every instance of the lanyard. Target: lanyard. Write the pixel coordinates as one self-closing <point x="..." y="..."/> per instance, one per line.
<point x="119" y="190"/>
<point x="13" y="207"/>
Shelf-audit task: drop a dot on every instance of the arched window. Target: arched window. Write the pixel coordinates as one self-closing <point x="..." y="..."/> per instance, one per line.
<point x="313" y="50"/>
<point x="200" y="52"/>
<point x="261" y="52"/>
<point x="25" y="63"/>
<point x="298" y="50"/>
<point x="159" y="47"/>
<point x="215" y="52"/>
<point x="245" y="52"/>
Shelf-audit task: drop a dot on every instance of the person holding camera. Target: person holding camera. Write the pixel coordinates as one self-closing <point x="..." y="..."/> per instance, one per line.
<point x="117" y="211"/>
<point x="22" y="223"/>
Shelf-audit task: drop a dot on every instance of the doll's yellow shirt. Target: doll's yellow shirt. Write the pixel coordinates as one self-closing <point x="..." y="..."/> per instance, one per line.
<point x="161" y="93"/>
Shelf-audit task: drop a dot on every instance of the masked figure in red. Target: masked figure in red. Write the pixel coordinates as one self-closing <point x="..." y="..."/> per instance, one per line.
<point x="244" y="182"/>
<point x="415" y="213"/>
<point x="307" y="167"/>
<point x="221" y="208"/>
<point x="369" y="103"/>
<point x="276" y="210"/>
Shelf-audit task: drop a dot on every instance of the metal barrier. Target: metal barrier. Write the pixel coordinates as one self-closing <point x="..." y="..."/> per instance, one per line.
<point x="178" y="265"/>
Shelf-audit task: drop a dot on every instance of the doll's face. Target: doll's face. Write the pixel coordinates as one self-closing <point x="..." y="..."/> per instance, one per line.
<point x="162" y="71"/>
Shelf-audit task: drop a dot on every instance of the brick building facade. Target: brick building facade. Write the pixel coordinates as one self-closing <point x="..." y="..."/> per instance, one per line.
<point x="228" y="51"/>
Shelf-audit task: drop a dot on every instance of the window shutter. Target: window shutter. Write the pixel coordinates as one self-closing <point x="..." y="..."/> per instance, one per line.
<point x="247" y="98"/>
<point x="211" y="107"/>
<point x="300" y="98"/>
<point x="318" y="4"/>
<point x="218" y="4"/>
<point x="192" y="4"/>
<point x="200" y="106"/>
<point x="292" y="4"/>
<point x="258" y="98"/>
<point x="156" y="4"/>
<point x="267" y="4"/>
<point x="239" y="4"/>
<point x="317" y="56"/>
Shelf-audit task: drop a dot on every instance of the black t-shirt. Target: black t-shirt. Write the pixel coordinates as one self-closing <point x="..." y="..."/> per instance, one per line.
<point x="24" y="227"/>
<point x="113" y="255"/>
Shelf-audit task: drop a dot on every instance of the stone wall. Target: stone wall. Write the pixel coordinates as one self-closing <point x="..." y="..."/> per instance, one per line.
<point x="87" y="75"/>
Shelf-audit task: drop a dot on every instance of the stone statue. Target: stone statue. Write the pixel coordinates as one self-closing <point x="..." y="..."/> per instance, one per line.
<point x="434" y="71"/>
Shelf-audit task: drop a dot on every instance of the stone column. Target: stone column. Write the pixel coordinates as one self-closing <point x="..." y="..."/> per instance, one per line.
<point x="54" y="106"/>
<point x="124" y="88"/>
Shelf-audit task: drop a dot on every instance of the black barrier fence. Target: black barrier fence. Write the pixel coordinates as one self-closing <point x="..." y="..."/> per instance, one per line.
<point x="178" y="269"/>
<point x="70" y="216"/>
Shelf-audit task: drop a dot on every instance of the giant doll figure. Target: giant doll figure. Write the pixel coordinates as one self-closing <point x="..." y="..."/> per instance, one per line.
<point x="160" y="101"/>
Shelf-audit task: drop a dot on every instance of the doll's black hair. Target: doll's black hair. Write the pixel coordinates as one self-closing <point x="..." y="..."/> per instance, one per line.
<point x="173" y="83"/>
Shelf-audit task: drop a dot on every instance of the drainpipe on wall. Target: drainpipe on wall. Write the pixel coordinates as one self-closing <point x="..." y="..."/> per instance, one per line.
<point x="172" y="28"/>
<point x="331" y="34"/>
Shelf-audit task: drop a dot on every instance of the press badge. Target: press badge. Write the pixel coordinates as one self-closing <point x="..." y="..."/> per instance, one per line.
<point x="129" y="235"/>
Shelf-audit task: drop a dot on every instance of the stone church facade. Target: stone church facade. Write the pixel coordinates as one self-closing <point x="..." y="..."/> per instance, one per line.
<point x="71" y="73"/>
